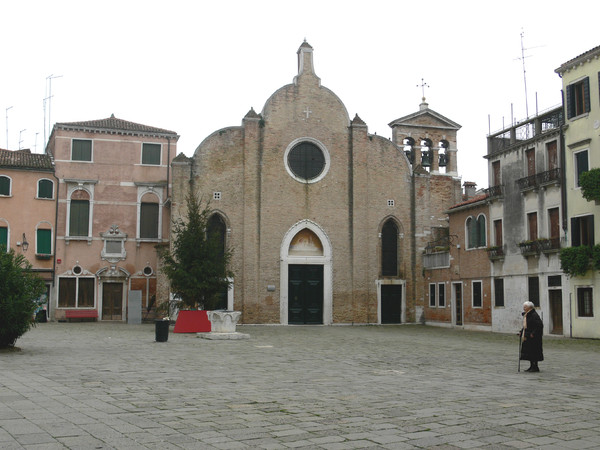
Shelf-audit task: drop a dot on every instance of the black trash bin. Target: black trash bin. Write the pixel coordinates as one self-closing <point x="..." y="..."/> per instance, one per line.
<point x="162" y="330"/>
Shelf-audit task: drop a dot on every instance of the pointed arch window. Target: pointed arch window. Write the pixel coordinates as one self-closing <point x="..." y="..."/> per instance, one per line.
<point x="389" y="249"/>
<point x="476" y="234"/>
<point x="217" y="229"/>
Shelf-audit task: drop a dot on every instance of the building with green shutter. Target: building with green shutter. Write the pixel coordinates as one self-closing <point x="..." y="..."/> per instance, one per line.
<point x="28" y="209"/>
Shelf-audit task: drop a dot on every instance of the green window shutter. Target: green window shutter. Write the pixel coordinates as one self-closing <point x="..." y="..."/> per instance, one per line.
<point x="481" y="231"/>
<point x="79" y="219"/>
<point x="149" y="221"/>
<point x="151" y="154"/>
<point x="586" y="94"/>
<point x="45" y="189"/>
<point x="4" y="237"/>
<point x="4" y="186"/>
<point x="570" y="101"/>
<point x="82" y="150"/>
<point x="44" y="242"/>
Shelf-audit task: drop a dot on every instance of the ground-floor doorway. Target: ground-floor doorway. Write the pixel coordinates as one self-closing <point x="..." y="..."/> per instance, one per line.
<point x="391" y="303"/>
<point x="556" y="313"/>
<point x="112" y="301"/>
<point x="305" y="293"/>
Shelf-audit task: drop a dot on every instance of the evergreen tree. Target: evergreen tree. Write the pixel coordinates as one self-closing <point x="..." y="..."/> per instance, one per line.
<point x="197" y="264"/>
<point x="19" y="290"/>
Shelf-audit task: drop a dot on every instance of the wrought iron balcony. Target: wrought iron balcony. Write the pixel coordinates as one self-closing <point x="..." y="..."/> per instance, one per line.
<point x="495" y="192"/>
<point x="527" y="183"/>
<point x="496" y="253"/>
<point x="540" y="179"/>
<point x="551" y="245"/>
<point x="529" y="248"/>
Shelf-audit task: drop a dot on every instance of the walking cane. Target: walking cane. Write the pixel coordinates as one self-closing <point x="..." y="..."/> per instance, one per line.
<point x="520" y="337"/>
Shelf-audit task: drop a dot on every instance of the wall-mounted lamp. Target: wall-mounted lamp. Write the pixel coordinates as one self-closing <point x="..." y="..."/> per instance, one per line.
<point x="25" y="244"/>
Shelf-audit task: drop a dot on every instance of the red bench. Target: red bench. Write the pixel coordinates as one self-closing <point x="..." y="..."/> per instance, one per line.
<point x="81" y="314"/>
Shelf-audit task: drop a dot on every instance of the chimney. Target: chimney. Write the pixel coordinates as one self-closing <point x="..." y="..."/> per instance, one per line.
<point x="470" y="189"/>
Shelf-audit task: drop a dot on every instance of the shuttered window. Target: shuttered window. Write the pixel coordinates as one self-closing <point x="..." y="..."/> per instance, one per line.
<point x="578" y="98"/>
<point x="581" y="165"/>
<point x="82" y="150"/>
<point x="79" y="218"/>
<point x="149" y="221"/>
<point x="66" y="292"/>
<point x="4" y="237"/>
<point x="4" y="185"/>
<point x="45" y="189"/>
<point x="151" y="154"/>
<point x="582" y="231"/>
<point x="44" y="242"/>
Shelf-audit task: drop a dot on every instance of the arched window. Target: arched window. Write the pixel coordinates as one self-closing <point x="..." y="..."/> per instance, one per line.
<point x="476" y="235"/>
<point x="45" y="188"/>
<point x="481" y="234"/>
<point x="389" y="249"/>
<point x="217" y="229"/>
<point x="4" y="185"/>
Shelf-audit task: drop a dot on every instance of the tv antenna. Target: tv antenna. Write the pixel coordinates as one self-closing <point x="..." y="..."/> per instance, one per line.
<point x="20" y="134"/>
<point x="48" y="98"/>
<point x="522" y="58"/>
<point x="10" y="107"/>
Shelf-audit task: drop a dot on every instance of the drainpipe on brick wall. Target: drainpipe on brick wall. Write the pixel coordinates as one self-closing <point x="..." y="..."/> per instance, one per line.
<point x="168" y="165"/>
<point x="55" y="234"/>
<point x="413" y="244"/>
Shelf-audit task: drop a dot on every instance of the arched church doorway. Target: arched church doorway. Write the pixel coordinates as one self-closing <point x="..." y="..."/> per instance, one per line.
<point x="306" y="276"/>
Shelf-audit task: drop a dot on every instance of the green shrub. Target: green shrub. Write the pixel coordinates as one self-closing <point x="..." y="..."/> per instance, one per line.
<point x="590" y="184"/>
<point x="596" y="257"/>
<point x="575" y="261"/>
<point x="19" y="290"/>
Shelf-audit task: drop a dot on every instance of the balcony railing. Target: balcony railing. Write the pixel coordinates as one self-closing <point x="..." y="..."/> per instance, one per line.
<point x="495" y="191"/>
<point x="529" y="248"/>
<point x="540" y="179"/>
<point x="495" y="253"/>
<point x="551" y="245"/>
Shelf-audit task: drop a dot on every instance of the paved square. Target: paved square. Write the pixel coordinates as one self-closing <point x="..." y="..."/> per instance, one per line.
<point x="110" y="386"/>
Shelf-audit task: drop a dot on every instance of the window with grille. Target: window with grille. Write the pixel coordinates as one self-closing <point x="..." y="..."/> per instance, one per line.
<point x="477" y="294"/>
<point x="585" y="302"/>
<point x="306" y="160"/>
<point x="441" y="295"/>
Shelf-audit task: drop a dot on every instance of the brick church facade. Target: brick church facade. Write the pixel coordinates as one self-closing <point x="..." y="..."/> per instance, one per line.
<point x="327" y="222"/>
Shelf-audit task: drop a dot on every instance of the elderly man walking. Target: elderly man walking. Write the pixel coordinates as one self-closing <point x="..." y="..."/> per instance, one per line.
<point x="531" y="333"/>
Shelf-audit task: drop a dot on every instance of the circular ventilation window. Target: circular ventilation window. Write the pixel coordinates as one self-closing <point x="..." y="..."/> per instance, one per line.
<point x="147" y="271"/>
<point x="77" y="270"/>
<point x="306" y="161"/>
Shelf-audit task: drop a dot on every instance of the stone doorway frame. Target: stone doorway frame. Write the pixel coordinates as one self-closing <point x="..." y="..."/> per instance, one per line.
<point x="324" y="260"/>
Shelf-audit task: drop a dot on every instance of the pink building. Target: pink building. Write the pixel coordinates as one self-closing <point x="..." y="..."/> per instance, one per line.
<point x="113" y="209"/>
<point x="28" y="208"/>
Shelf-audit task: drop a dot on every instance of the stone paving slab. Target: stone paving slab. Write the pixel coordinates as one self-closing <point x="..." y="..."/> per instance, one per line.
<point x="111" y="386"/>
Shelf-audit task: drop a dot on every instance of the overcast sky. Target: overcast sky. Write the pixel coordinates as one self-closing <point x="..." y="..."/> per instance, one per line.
<point x="196" y="67"/>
